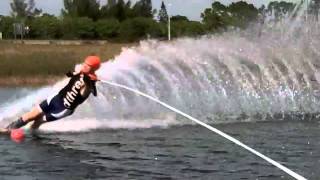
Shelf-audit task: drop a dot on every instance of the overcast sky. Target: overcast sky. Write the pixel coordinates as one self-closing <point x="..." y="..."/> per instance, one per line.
<point x="190" y="8"/>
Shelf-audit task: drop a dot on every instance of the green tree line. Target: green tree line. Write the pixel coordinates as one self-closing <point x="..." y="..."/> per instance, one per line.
<point x="120" y="20"/>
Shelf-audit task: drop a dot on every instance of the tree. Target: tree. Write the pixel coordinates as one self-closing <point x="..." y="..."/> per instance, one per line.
<point x="138" y="28"/>
<point x="239" y="15"/>
<point x="314" y="8"/>
<point x="195" y="28"/>
<point x="262" y="10"/>
<point x="120" y="13"/>
<point x="179" y="18"/>
<point x="69" y="28"/>
<point x="143" y="8"/>
<point x="117" y="9"/>
<point x="243" y="13"/>
<point x="108" y="10"/>
<point x="78" y="28"/>
<point x="217" y="17"/>
<point x="81" y="8"/>
<point x="163" y="15"/>
<point x="21" y="9"/>
<point x="6" y="26"/>
<point x="107" y="28"/>
<point x="45" y="27"/>
<point x="85" y="28"/>
<point x="128" y="10"/>
<point x="187" y="28"/>
<point x="280" y="10"/>
<point x="32" y="10"/>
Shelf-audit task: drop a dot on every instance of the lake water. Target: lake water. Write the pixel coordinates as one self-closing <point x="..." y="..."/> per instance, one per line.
<point x="173" y="152"/>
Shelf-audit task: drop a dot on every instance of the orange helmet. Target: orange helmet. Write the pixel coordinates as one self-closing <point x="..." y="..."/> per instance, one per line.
<point x="93" y="61"/>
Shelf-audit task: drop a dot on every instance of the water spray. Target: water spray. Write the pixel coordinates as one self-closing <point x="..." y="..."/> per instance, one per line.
<point x="217" y="131"/>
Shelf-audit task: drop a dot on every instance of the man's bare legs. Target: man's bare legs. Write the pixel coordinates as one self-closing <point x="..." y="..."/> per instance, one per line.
<point x="35" y="114"/>
<point x="37" y="123"/>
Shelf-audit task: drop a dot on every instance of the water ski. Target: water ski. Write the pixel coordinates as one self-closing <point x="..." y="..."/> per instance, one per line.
<point x="4" y="131"/>
<point x="17" y="135"/>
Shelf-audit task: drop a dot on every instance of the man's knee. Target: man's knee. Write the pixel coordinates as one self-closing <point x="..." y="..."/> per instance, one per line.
<point x="34" y="114"/>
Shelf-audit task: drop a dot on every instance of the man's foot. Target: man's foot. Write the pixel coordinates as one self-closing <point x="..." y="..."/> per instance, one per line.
<point x="16" y="124"/>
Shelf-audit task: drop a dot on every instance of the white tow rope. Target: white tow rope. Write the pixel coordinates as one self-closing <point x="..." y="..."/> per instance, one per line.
<point x="230" y="138"/>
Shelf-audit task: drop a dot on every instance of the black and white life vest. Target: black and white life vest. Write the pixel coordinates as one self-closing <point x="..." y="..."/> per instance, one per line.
<point x="71" y="93"/>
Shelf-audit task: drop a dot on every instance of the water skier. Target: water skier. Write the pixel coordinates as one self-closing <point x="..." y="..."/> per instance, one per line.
<point x="64" y="103"/>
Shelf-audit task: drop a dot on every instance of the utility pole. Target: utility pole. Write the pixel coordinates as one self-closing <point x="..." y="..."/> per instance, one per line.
<point x="307" y="10"/>
<point x="169" y="23"/>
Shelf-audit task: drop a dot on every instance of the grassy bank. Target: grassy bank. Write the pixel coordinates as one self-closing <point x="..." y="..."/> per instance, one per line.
<point x="34" y="65"/>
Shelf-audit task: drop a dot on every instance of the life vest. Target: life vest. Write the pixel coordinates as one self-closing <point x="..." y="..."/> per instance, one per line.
<point x="71" y="94"/>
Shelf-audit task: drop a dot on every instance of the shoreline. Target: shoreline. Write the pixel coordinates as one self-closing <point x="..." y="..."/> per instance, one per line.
<point x="28" y="81"/>
<point x="32" y="64"/>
